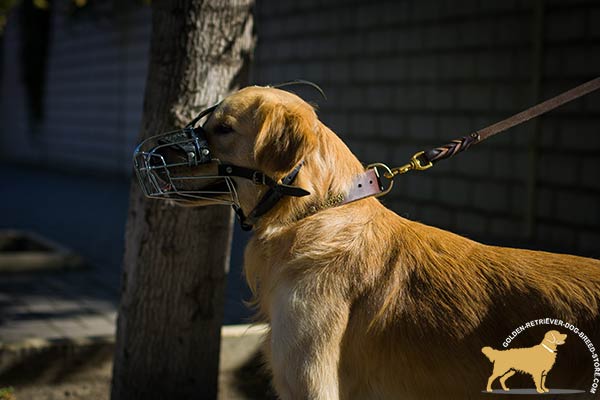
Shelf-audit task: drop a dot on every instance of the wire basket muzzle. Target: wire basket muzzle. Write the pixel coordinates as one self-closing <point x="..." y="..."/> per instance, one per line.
<point x="176" y="166"/>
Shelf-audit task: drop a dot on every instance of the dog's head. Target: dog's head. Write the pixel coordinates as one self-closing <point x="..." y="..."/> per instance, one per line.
<point x="262" y="128"/>
<point x="259" y="128"/>
<point x="555" y="337"/>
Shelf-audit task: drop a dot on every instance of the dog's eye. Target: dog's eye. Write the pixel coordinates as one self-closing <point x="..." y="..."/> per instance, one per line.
<point x="223" y="128"/>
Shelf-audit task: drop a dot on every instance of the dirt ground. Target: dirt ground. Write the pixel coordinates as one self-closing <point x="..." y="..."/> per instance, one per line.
<point x="244" y="383"/>
<point x="91" y="385"/>
<point x="95" y="388"/>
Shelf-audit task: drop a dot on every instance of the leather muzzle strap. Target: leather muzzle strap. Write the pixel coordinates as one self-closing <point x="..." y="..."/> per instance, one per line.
<point x="260" y="178"/>
<point x="275" y="193"/>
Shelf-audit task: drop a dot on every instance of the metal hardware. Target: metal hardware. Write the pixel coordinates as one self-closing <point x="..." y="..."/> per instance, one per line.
<point x="387" y="171"/>
<point x="192" y="159"/>
<point x="163" y="177"/>
<point x="258" y="178"/>
<point x="415" y="163"/>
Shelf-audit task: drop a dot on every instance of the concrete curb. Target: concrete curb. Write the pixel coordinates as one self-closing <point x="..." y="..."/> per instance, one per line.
<point x="46" y="255"/>
<point x="44" y="361"/>
<point x="239" y="344"/>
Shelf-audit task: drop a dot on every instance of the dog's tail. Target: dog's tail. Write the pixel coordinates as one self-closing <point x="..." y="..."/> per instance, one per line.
<point x="489" y="353"/>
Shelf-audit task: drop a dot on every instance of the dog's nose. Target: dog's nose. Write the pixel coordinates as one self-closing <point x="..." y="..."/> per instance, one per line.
<point x="188" y="144"/>
<point x="168" y="156"/>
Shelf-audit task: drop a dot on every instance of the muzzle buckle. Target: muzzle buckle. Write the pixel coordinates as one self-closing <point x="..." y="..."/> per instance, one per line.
<point x="258" y="178"/>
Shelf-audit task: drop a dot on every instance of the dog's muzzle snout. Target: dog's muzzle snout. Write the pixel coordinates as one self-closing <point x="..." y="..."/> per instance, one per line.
<point x="173" y="166"/>
<point x="179" y="166"/>
<point x="190" y="142"/>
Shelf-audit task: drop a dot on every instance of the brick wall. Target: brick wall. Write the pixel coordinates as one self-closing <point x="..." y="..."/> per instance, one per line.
<point x="403" y="76"/>
<point x="95" y="80"/>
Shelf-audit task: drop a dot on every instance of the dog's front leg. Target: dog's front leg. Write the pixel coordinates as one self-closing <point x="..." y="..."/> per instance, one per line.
<point x="538" y="378"/>
<point x="307" y="326"/>
<point x="544" y="375"/>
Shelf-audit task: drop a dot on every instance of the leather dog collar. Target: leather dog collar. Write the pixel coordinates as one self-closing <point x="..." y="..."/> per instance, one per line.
<point x="367" y="184"/>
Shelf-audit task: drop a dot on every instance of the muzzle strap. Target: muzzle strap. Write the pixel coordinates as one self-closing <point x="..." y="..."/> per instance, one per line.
<point x="259" y="178"/>
<point x="271" y="198"/>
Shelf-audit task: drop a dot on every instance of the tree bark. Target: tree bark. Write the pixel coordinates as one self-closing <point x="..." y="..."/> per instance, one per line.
<point x="168" y="330"/>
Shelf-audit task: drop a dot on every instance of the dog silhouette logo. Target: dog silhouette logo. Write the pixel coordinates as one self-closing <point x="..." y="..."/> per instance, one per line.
<point x="536" y="361"/>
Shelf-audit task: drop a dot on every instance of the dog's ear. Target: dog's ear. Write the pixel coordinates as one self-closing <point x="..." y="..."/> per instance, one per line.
<point x="285" y="136"/>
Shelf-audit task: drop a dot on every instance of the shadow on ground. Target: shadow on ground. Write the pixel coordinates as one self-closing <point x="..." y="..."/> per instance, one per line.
<point x="74" y="371"/>
<point x="253" y="380"/>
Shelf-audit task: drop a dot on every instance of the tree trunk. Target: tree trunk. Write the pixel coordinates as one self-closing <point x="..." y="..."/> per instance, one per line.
<point x="168" y="330"/>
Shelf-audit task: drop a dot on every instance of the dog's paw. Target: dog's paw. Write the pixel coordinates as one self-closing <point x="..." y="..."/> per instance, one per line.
<point x="540" y="390"/>
<point x="506" y="389"/>
<point x="489" y="390"/>
<point x="546" y="390"/>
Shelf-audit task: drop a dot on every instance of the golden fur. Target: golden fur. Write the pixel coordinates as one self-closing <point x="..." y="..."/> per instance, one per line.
<point x="536" y="361"/>
<point x="365" y="304"/>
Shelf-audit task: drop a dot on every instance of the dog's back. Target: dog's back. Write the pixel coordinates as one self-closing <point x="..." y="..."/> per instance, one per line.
<point x="439" y="296"/>
<point x="425" y="301"/>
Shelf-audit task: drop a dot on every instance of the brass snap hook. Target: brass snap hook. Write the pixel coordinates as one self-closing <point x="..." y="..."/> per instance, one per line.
<point x="415" y="163"/>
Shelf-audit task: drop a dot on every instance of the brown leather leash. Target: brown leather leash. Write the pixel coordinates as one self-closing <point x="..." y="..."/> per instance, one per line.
<point x="425" y="159"/>
<point x="369" y="183"/>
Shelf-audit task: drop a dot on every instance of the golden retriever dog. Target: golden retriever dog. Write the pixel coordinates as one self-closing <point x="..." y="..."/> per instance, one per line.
<point x="365" y="304"/>
<point x="537" y="361"/>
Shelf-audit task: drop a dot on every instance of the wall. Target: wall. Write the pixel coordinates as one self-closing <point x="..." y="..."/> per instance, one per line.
<point x="403" y="76"/>
<point x="95" y="81"/>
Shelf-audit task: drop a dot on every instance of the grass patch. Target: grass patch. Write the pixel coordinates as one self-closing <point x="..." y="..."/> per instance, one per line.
<point x="7" y="393"/>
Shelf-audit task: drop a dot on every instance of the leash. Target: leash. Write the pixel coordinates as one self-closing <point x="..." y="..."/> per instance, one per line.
<point x="423" y="160"/>
<point x="159" y="178"/>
